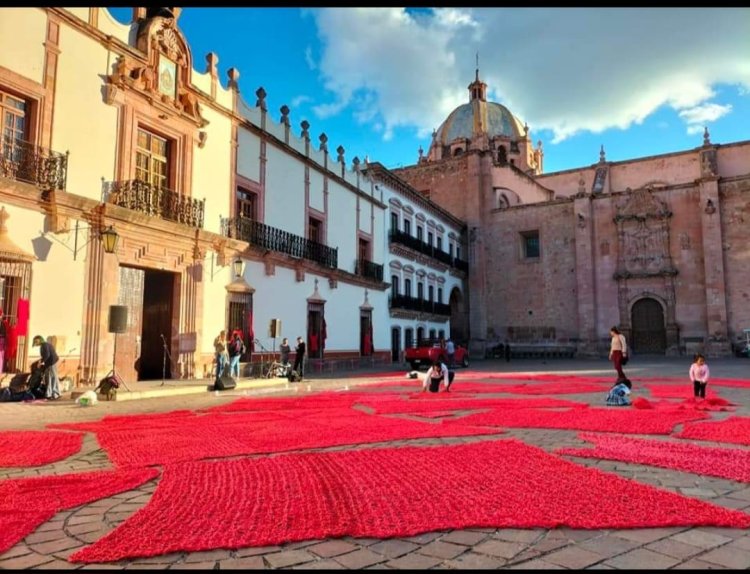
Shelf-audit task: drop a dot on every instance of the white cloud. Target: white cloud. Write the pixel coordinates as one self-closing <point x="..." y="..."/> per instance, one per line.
<point x="697" y="117"/>
<point x="309" y="59"/>
<point x="567" y="70"/>
<point x="297" y="101"/>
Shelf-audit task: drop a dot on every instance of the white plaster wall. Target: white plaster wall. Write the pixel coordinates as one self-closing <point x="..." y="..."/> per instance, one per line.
<point x="83" y="123"/>
<point x="342" y="224"/>
<point x="202" y="82"/>
<point x="215" y="280"/>
<point x="224" y="96"/>
<point x="82" y="13"/>
<point x="273" y="127"/>
<point x="57" y="284"/>
<point x="316" y="189"/>
<point x="285" y="192"/>
<point x="248" y="154"/>
<point x="23" y="53"/>
<point x="211" y="169"/>
<point x="112" y="27"/>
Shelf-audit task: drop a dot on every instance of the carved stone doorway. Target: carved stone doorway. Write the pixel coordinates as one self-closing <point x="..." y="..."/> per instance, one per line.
<point x="649" y="333"/>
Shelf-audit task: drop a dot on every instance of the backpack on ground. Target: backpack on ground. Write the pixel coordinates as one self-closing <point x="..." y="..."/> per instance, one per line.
<point x="108" y="387"/>
<point x="294" y="377"/>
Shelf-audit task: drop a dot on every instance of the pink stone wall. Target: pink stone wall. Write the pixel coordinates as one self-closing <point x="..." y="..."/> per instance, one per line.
<point x="670" y="169"/>
<point x="734" y="159"/>
<point x="565" y="183"/>
<point x="735" y="218"/>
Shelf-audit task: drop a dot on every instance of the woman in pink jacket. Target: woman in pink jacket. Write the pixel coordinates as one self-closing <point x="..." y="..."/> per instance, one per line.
<point x="699" y="374"/>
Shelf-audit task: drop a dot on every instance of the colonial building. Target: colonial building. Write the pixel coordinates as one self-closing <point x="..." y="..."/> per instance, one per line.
<point x="657" y="245"/>
<point x="145" y="207"/>
<point x="425" y="246"/>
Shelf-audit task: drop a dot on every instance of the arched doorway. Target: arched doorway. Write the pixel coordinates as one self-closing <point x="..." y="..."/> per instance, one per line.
<point x="395" y="345"/>
<point x="649" y="332"/>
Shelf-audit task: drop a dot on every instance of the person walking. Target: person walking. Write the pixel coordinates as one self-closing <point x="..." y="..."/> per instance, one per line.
<point x="221" y="353"/>
<point x="236" y="349"/>
<point x="618" y="351"/>
<point x="699" y="374"/>
<point x="450" y="351"/>
<point x="299" y="359"/>
<point x="48" y="360"/>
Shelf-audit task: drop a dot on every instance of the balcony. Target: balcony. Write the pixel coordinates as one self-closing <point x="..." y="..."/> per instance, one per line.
<point x="273" y="239"/>
<point x="156" y="201"/>
<point x="33" y="164"/>
<point x="419" y="305"/>
<point x="368" y="270"/>
<point x="405" y="239"/>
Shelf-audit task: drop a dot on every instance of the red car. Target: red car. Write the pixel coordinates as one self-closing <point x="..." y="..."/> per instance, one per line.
<point x="428" y="351"/>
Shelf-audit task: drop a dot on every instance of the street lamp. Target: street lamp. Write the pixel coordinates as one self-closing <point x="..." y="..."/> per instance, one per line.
<point x="237" y="267"/>
<point x="110" y="239"/>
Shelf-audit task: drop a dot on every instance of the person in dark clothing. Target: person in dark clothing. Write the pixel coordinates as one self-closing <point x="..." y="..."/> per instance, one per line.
<point x="284" y="351"/>
<point x="49" y="361"/>
<point x="507" y="352"/>
<point x="299" y="359"/>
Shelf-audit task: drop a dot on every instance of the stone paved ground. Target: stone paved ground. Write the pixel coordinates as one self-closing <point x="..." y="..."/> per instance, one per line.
<point x="478" y="548"/>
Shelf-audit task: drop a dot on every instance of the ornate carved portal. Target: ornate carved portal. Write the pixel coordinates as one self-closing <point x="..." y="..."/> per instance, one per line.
<point x="645" y="268"/>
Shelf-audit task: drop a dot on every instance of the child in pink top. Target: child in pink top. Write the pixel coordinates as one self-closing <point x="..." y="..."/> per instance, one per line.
<point x="699" y="375"/>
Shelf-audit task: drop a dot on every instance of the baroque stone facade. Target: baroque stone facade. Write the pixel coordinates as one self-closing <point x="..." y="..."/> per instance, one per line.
<point x="655" y="245"/>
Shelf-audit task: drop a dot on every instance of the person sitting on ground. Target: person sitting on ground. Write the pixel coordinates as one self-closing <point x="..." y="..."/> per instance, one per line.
<point x="618" y="395"/>
<point x="436" y="373"/>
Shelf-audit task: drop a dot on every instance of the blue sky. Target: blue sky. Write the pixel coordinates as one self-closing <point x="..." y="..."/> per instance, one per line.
<point x="640" y="81"/>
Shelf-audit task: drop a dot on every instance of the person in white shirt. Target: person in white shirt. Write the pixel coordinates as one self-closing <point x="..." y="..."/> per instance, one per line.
<point x="618" y="351"/>
<point x="436" y="373"/>
<point x="699" y="374"/>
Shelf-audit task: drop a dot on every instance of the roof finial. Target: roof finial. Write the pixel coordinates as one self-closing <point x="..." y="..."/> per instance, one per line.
<point x="706" y="136"/>
<point x="477" y="65"/>
<point x="602" y="156"/>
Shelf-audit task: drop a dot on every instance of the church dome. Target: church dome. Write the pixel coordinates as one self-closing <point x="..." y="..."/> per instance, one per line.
<point x="479" y="116"/>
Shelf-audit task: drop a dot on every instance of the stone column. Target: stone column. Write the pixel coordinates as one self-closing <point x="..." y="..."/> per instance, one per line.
<point x="585" y="277"/>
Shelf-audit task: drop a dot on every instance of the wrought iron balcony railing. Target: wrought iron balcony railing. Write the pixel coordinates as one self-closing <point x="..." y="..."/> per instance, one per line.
<point x="34" y="164"/>
<point x="398" y="236"/>
<point x="421" y="305"/>
<point x="368" y="269"/>
<point x="156" y="201"/>
<point x="273" y="239"/>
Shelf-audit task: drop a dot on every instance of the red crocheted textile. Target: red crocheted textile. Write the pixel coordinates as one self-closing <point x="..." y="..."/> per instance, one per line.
<point x="592" y="419"/>
<point x="733" y="430"/>
<point x="25" y="503"/>
<point x="420" y="407"/>
<point x="37" y="448"/>
<point x="217" y="435"/>
<point x="710" y="404"/>
<point x="389" y="492"/>
<point x="733" y="464"/>
<point x="318" y="401"/>
<point x="684" y="391"/>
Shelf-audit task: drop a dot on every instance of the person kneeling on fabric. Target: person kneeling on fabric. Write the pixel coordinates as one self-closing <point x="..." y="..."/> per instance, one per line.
<point x="436" y="373"/>
<point x="618" y="395"/>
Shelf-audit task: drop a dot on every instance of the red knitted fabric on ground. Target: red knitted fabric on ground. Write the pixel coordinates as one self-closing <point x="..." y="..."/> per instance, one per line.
<point x="684" y="391"/>
<point x="172" y="419"/>
<point x="733" y="464"/>
<point x="314" y="401"/>
<point x="417" y="406"/>
<point x="710" y="404"/>
<point x="36" y="448"/>
<point x="218" y="435"/>
<point x="25" y="503"/>
<point x="733" y="430"/>
<point x="389" y="492"/>
<point x="592" y="419"/>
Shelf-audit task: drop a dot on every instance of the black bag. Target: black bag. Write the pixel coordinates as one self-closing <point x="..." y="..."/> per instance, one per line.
<point x="625" y="359"/>
<point x="108" y="386"/>
<point x="294" y="377"/>
<point x="224" y="383"/>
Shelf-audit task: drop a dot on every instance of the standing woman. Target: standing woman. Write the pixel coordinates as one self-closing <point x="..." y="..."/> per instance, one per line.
<point x="618" y="350"/>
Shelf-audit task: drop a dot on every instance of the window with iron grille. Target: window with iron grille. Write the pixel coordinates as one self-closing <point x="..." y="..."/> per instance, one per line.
<point x="247" y="204"/>
<point x="13" y="122"/>
<point x="530" y="244"/>
<point x="152" y="159"/>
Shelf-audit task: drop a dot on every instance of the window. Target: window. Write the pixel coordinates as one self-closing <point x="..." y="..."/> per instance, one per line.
<point x="440" y="295"/>
<point x="394" y="285"/>
<point x="458" y="252"/>
<point x="247" y="204"/>
<point x="450" y="249"/>
<point x="407" y="287"/>
<point x="408" y="338"/>
<point x="407" y="226"/>
<point x="530" y="244"/>
<point x="363" y="250"/>
<point x="433" y="334"/>
<point x="152" y="159"/>
<point x="440" y="243"/>
<point x="420" y="233"/>
<point x="13" y="122"/>
<point x="420" y="335"/>
<point x="394" y="221"/>
<point x="315" y="230"/>
<point x="429" y="238"/>
<point x="420" y="291"/>
<point x="430" y="293"/>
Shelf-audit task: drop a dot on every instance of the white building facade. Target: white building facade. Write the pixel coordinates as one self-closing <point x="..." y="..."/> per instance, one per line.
<point x="424" y="265"/>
